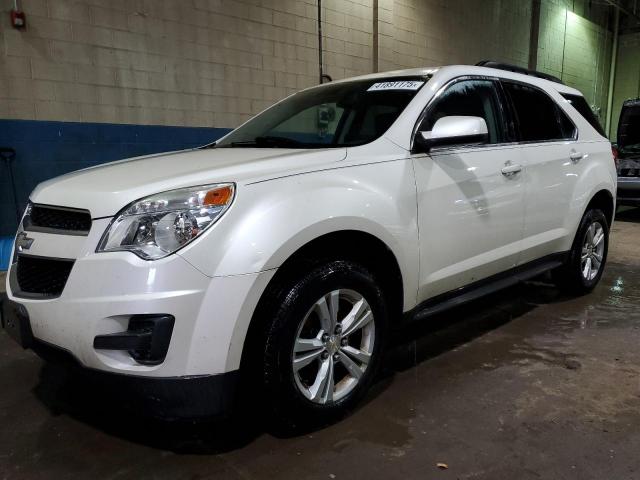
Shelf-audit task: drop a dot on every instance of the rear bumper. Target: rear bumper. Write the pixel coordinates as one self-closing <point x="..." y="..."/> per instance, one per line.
<point x="628" y="191"/>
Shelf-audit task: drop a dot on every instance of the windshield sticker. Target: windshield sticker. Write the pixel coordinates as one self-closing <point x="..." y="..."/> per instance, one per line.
<point x="403" y="85"/>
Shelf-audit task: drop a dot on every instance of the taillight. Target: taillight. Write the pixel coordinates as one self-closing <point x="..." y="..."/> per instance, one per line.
<point x="615" y="152"/>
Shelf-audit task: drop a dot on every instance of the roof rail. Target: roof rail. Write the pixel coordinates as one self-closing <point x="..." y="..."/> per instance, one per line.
<point x="516" y="69"/>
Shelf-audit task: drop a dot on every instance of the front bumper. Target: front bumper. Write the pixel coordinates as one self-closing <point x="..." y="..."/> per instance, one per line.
<point x="199" y="376"/>
<point x="104" y="291"/>
<point x="187" y="397"/>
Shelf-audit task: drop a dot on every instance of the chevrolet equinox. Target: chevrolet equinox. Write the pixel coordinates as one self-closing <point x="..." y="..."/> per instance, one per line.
<point x="280" y="256"/>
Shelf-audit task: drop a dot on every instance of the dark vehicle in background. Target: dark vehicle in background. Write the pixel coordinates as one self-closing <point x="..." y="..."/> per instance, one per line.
<point x="628" y="148"/>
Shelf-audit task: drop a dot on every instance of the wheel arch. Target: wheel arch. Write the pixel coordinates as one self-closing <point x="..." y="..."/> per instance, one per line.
<point x="603" y="199"/>
<point x="356" y="245"/>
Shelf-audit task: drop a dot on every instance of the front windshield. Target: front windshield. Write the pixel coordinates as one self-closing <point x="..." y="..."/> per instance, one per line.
<point x="334" y="115"/>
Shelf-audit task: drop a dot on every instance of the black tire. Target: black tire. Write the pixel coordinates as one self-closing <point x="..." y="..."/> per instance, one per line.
<point x="291" y="303"/>
<point x="570" y="277"/>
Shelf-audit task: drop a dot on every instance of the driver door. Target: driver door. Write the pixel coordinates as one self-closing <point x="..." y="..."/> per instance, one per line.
<point x="470" y="213"/>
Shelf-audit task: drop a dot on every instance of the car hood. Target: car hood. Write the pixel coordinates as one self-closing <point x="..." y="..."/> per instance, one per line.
<point x="106" y="189"/>
<point x="629" y="125"/>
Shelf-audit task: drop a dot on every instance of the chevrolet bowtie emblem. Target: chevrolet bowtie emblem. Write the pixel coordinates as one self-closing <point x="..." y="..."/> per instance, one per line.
<point x="23" y="242"/>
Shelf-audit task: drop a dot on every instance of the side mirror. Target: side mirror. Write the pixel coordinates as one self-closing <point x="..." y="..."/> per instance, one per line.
<point x="450" y="131"/>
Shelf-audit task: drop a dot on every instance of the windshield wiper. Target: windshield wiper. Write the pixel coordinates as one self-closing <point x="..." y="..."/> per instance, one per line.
<point x="269" y="141"/>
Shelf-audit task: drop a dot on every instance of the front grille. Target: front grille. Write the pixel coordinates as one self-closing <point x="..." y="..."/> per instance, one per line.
<point x="42" y="276"/>
<point x="48" y="218"/>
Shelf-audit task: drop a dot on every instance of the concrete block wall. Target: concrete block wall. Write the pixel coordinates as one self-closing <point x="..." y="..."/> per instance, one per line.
<point x="347" y="29"/>
<point x="416" y="33"/>
<point x="575" y="45"/>
<point x="171" y="62"/>
<point x="574" y="40"/>
<point x="217" y="62"/>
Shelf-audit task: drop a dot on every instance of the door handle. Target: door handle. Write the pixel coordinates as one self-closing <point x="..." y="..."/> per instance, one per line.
<point x="510" y="170"/>
<point x="576" y="156"/>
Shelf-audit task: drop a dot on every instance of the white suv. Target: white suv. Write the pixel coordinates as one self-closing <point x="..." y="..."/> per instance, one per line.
<point x="289" y="248"/>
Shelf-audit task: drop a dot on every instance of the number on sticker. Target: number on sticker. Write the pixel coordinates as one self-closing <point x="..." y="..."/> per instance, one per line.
<point x="400" y="85"/>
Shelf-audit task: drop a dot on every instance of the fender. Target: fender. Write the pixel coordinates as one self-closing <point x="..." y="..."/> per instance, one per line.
<point x="596" y="176"/>
<point x="271" y="220"/>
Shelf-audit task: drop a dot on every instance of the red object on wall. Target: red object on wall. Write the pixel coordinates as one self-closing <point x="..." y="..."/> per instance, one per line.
<point x="18" y="19"/>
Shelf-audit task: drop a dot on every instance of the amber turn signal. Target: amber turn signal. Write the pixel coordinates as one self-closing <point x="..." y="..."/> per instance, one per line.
<point x="220" y="196"/>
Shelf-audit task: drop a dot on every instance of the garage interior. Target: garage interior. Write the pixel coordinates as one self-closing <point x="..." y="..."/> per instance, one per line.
<point x="527" y="383"/>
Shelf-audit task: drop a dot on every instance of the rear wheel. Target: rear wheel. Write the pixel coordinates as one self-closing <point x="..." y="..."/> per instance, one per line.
<point x="588" y="256"/>
<point x="324" y="342"/>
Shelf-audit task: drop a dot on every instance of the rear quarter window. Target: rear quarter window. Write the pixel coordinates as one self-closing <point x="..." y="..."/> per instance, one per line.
<point x="580" y="104"/>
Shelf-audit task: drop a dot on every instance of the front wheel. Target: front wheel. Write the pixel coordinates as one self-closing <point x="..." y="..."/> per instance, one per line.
<point x="324" y="343"/>
<point x="588" y="256"/>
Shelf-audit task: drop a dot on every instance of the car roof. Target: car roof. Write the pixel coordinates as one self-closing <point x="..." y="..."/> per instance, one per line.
<point x="461" y="70"/>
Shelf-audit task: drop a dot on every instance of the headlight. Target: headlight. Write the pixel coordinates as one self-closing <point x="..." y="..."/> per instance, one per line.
<point x="157" y="226"/>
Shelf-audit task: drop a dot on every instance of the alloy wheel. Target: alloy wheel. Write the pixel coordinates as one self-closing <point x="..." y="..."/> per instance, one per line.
<point x="592" y="251"/>
<point x="333" y="346"/>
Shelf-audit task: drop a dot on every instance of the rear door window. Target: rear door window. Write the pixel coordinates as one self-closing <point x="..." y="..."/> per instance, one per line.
<point x="580" y="104"/>
<point x="538" y="117"/>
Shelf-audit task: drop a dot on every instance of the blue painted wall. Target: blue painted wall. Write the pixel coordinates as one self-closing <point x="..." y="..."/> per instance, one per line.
<point x="47" y="149"/>
<point x="5" y="252"/>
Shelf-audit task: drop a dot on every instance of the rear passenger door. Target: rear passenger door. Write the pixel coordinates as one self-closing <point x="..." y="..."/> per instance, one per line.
<point x="552" y="158"/>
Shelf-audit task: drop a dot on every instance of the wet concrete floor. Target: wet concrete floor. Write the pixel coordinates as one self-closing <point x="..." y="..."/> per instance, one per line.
<point x="524" y="384"/>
